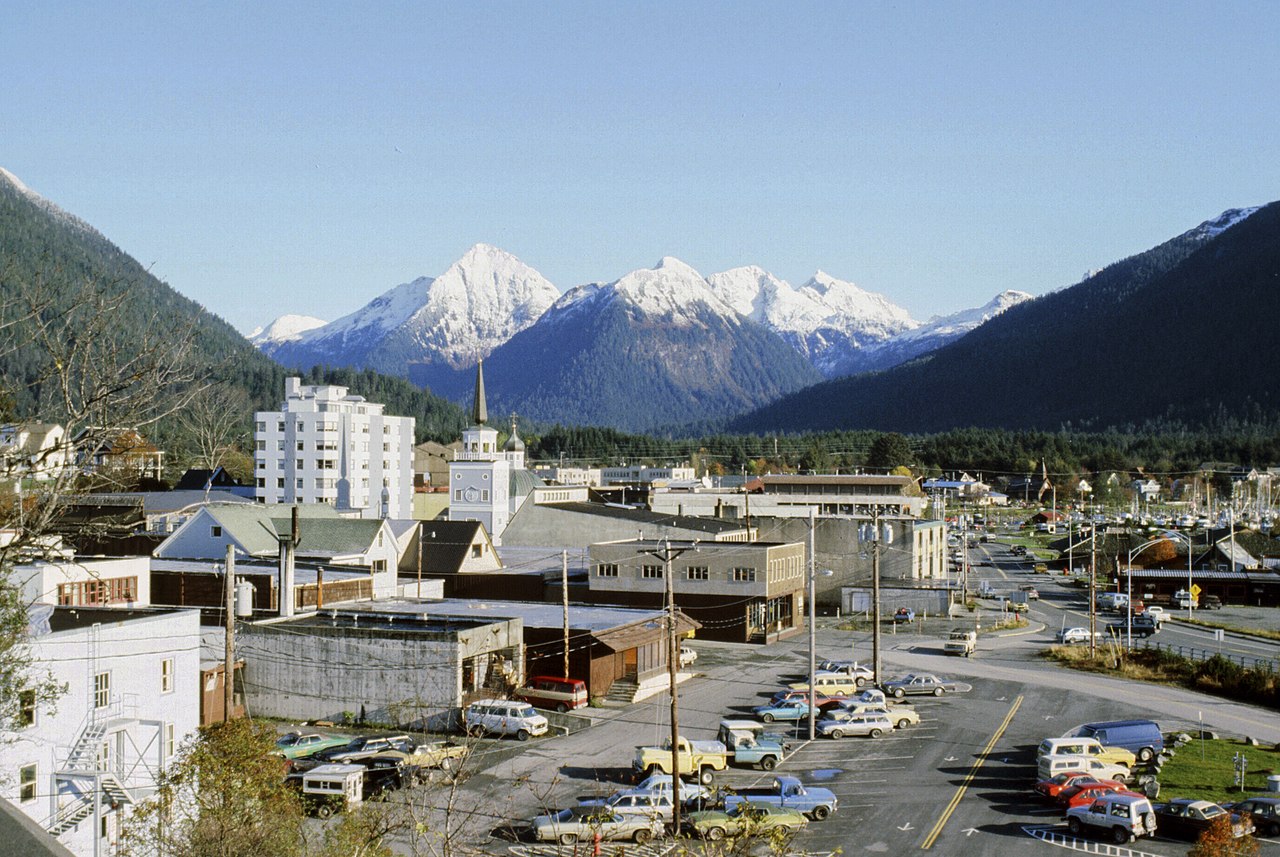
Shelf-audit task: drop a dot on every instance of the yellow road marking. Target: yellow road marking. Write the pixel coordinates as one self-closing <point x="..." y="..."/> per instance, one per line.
<point x="973" y="772"/>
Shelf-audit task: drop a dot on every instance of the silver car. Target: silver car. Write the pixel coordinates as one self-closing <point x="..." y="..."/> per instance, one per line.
<point x="867" y="724"/>
<point x="584" y="822"/>
<point x="646" y="803"/>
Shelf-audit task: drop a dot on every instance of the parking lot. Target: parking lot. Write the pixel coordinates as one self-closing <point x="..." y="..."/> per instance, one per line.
<point x="960" y="782"/>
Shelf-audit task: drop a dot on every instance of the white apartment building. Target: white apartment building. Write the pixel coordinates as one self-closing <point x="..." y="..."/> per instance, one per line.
<point x="326" y="446"/>
<point x="132" y="694"/>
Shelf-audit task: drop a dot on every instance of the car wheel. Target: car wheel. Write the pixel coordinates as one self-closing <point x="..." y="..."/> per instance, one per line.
<point x="1073" y="824"/>
<point x="767" y="717"/>
<point x="642" y="835"/>
<point x="568" y="838"/>
<point x="937" y="691"/>
<point x="897" y="693"/>
<point x="715" y="834"/>
<point x="904" y="723"/>
<point x="706" y="776"/>
<point x="1120" y="836"/>
<point x="768" y="763"/>
<point x="1146" y="754"/>
<point x="836" y="733"/>
<point x="562" y="708"/>
<point x="522" y="735"/>
<point x="876" y="733"/>
<point x="1274" y="829"/>
<point x="859" y="682"/>
<point x="1122" y="778"/>
<point x="821" y="812"/>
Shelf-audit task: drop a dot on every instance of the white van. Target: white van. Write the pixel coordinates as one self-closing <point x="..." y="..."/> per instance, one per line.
<point x="504" y="717"/>
<point x="1048" y="767"/>
<point x="1084" y="747"/>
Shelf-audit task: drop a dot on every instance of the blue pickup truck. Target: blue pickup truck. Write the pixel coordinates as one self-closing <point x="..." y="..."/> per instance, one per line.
<point x="817" y="803"/>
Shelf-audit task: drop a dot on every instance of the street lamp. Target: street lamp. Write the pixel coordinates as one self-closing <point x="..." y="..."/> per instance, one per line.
<point x="1129" y="577"/>
<point x="813" y="621"/>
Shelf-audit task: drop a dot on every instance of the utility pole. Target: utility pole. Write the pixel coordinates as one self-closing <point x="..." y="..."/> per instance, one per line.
<point x="421" y="536"/>
<point x="813" y="616"/>
<point x="564" y="601"/>
<point x="875" y="594"/>
<point x="1093" y="595"/>
<point x="667" y="554"/>
<point x="229" y="632"/>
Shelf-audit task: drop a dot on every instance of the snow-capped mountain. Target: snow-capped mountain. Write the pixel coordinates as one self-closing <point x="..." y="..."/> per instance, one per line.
<point x="286" y="328"/>
<point x="449" y="321"/>
<point x="829" y="321"/>
<point x="656" y="347"/>
<point x="932" y="335"/>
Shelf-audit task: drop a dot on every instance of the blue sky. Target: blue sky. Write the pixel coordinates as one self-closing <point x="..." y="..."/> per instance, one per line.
<point x="270" y="157"/>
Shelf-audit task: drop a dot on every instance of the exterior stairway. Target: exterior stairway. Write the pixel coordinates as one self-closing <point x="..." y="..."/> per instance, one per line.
<point x="622" y="692"/>
<point x="87" y="781"/>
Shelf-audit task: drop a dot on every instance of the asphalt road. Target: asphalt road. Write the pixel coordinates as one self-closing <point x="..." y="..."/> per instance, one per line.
<point x="959" y="783"/>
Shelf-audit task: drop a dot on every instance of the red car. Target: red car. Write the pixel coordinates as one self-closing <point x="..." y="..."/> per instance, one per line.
<point x="1086" y="795"/>
<point x="1067" y="794"/>
<point x="1066" y="779"/>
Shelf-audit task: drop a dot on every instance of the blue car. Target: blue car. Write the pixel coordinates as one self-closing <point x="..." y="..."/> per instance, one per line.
<point x="793" y="709"/>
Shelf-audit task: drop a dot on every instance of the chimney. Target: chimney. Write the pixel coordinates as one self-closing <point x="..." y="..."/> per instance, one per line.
<point x="288" y="544"/>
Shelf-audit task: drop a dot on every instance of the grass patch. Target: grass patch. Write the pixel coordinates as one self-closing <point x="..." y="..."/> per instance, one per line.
<point x="1004" y="625"/>
<point x="1213" y="777"/>
<point x="1216" y="675"/>
<point x="1257" y="632"/>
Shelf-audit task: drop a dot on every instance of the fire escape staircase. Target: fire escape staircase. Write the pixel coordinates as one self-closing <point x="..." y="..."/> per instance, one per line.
<point x="87" y="782"/>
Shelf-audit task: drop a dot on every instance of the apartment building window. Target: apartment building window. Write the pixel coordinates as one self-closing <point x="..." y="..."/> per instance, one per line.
<point x="280" y="482"/>
<point x="743" y="575"/>
<point x="297" y="482"/>
<point x="302" y="446"/>
<point x="607" y="569"/>
<point x="27" y="783"/>
<point x="651" y="571"/>
<point x="280" y="426"/>
<point x="166" y="675"/>
<point x="26" y="708"/>
<point x="279" y="446"/>
<point x="260" y="446"/>
<point x="698" y="572"/>
<point x="261" y="425"/>
<point x="101" y="690"/>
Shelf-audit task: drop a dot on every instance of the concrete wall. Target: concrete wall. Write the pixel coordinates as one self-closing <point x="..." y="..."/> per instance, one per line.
<point x="555" y="526"/>
<point x="307" y="671"/>
<point x="934" y="602"/>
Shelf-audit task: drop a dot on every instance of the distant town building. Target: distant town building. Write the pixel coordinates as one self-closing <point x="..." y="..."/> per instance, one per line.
<point x="487" y="483"/>
<point x="326" y="446"/>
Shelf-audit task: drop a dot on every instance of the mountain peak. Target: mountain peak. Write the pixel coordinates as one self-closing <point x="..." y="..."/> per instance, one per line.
<point x="1221" y="223"/>
<point x="286" y="328"/>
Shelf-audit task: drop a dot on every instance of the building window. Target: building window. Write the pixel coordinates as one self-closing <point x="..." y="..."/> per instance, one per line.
<point x="169" y="746"/>
<point x="379" y="565"/>
<point x="280" y="425"/>
<point x="26" y="708"/>
<point x="280" y="482"/>
<point x="115" y="590"/>
<point x="302" y="446"/>
<point x="607" y="569"/>
<point x="698" y="572"/>
<point x="743" y="575"/>
<point x="651" y="571"/>
<point x="261" y="425"/>
<point x="166" y="675"/>
<point x="27" y="783"/>
<point x="101" y="690"/>
<point x="476" y="551"/>
<point x="215" y="532"/>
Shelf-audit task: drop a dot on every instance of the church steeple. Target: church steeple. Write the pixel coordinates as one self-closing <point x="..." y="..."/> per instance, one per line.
<point x="479" y="411"/>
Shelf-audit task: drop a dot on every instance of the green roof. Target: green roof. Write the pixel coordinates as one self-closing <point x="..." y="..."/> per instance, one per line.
<point x="324" y="533"/>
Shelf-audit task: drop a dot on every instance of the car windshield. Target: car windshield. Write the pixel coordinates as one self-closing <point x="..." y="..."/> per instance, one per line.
<point x="1212" y="811"/>
<point x="524" y="711"/>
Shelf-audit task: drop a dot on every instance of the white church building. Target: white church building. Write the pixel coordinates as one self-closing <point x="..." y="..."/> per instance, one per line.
<point x="487" y="483"/>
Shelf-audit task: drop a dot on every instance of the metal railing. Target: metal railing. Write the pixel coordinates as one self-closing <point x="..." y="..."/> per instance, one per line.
<point x="1195" y="653"/>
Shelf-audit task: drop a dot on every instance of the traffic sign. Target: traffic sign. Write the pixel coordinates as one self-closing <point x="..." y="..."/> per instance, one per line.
<point x="1195" y="590"/>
